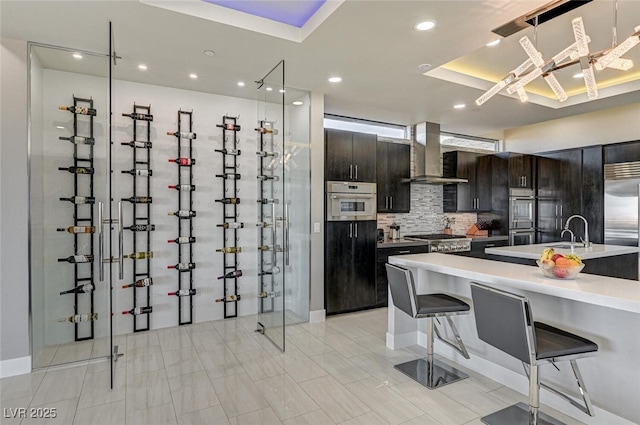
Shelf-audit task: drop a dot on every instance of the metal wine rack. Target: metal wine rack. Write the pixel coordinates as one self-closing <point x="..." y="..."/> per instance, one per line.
<point x="267" y="217"/>
<point x="141" y="226"/>
<point x="83" y="214"/>
<point x="185" y="137"/>
<point x="230" y="264"/>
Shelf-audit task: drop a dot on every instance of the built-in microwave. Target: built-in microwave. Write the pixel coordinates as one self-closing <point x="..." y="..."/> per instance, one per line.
<point x="348" y="201"/>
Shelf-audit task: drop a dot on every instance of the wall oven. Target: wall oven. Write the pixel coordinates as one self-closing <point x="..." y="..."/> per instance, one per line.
<point x="522" y="217"/>
<point x="349" y="201"/>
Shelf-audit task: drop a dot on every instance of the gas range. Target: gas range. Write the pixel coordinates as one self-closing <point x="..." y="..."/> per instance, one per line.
<point x="441" y="242"/>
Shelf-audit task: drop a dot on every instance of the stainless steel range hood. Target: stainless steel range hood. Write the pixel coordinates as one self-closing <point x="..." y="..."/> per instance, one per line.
<point x="427" y="156"/>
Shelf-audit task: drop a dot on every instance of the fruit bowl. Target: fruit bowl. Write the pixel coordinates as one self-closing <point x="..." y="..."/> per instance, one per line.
<point x="560" y="272"/>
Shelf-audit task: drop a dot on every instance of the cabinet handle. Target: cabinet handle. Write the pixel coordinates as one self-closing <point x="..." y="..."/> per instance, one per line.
<point x="386" y="202"/>
<point x="356" y="171"/>
<point x="525" y="181"/>
<point x="350" y="230"/>
<point x="561" y="210"/>
<point x="351" y="171"/>
<point x="356" y="230"/>
<point x="391" y="198"/>
<point x="489" y="245"/>
<point x="405" y="252"/>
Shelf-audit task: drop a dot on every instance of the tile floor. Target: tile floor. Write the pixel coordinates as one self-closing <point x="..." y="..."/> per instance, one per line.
<point x="223" y="373"/>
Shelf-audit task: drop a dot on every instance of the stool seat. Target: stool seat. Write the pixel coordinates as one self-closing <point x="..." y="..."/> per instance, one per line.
<point x="436" y="304"/>
<point x="553" y="342"/>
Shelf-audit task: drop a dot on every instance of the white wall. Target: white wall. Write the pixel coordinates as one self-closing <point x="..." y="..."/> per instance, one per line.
<point x="317" y="205"/>
<point x="609" y="126"/>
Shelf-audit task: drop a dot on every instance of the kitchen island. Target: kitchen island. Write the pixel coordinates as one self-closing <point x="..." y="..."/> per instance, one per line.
<point x="603" y="309"/>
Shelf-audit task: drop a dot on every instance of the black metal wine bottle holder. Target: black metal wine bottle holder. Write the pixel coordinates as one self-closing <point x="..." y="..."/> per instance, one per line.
<point x="141" y="226"/>
<point x="230" y="224"/>
<point x="83" y="214"/>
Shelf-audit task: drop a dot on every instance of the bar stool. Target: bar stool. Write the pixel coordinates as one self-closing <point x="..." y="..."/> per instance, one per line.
<point x="430" y="372"/>
<point x="504" y="320"/>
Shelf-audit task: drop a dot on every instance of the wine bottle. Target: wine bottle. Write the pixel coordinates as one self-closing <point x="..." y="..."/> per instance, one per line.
<point x="77" y="229"/>
<point x="230" y="250"/>
<point x="80" y="289"/>
<point x="139" y="199"/>
<point x="267" y="153"/>
<point x="80" y="318"/>
<point x="142" y="227"/>
<point x="80" y="199"/>
<point x="183" y="267"/>
<point x="139" y="310"/>
<point x="228" y="299"/>
<point x="139" y="255"/>
<point x="141" y="117"/>
<point x="263" y="130"/>
<point x="263" y="178"/>
<point x="183" y="214"/>
<point x="269" y="248"/>
<point x="182" y="134"/>
<point x="73" y="259"/>
<point x="137" y="144"/>
<point x="184" y="161"/>
<point x="268" y="201"/>
<point x="183" y="239"/>
<point x="273" y="270"/>
<point x="229" y="200"/>
<point x="79" y="140"/>
<point x="183" y="292"/>
<point x="77" y="170"/>
<point x="264" y="224"/>
<point x="141" y="283"/>
<point x="231" y="225"/>
<point x="234" y="152"/>
<point x="231" y="275"/>
<point x="78" y="110"/>
<point x="229" y="126"/>
<point x="229" y="176"/>
<point x="136" y="172"/>
<point x="185" y="187"/>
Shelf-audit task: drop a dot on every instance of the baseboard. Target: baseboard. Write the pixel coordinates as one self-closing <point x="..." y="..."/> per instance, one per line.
<point x="317" y="316"/>
<point x="395" y="342"/>
<point x="13" y="367"/>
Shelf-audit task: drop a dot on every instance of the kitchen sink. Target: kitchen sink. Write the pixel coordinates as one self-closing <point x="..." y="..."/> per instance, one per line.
<point x="564" y="246"/>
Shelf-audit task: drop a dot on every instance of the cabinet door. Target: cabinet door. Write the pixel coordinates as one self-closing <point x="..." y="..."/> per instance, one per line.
<point x="515" y="170"/>
<point x="338" y="266"/>
<point x="398" y="172"/>
<point x="593" y="192"/>
<point x="484" y="183"/>
<point x="364" y="157"/>
<point x="363" y="289"/>
<point x="338" y="155"/>
<point x="622" y="152"/>
<point x="528" y="171"/>
<point x="382" y="177"/>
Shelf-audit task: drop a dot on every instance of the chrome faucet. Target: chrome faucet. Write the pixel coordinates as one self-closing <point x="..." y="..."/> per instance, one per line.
<point x="573" y="237"/>
<point x="585" y="241"/>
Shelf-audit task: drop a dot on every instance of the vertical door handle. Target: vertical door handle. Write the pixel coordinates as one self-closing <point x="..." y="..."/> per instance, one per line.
<point x="561" y="210"/>
<point x="386" y="202"/>
<point x="286" y="235"/>
<point x="556" y="210"/>
<point x="101" y="240"/>
<point x="350" y="230"/>
<point x="525" y="181"/>
<point x="351" y="171"/>
<point x="274" y="236"/>
<point x="120" y="243"/>
<point x="356" y="171"/>
<point x="356" y="225"/>
<point x="477" y="203"/>
<point x="391" y="198"/>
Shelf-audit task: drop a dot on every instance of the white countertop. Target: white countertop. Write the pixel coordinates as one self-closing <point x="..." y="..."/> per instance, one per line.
<point x="620" y="294"/>
<point x="534" y="251"/>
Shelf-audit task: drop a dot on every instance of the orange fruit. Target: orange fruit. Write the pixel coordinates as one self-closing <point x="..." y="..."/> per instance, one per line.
<point x="564" y="262"/>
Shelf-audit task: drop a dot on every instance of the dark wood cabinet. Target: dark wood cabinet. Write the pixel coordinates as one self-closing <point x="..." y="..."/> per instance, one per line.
<point x="521" y="171"/>
<point x="478" y="247"/>
<point x="350" y="156"/>
<point x="393" y="169"/>
<point x="383" y="255"/>
<point x="622" y="152"/>
<point x="593" y="191"/>
<point x="350" y="256"/>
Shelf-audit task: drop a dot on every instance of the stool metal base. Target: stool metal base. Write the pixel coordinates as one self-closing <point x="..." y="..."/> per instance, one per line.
<point x="436" y="376"/>
<point x="518" y="414"/>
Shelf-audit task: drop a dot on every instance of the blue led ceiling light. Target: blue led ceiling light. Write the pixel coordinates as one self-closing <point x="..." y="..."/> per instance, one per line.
<point x="294" y="12"/>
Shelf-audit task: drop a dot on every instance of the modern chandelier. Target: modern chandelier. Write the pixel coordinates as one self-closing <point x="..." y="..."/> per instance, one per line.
<point x="576" y="53"/>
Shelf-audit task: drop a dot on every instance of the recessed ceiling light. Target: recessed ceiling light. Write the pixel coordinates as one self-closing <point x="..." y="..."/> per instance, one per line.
<point x="209" y="53"/>
<point x="77" y="55"/>
<point x="269" y="89"/>
<point x="142" y="67"/>
<point x="459" y="106"/>
<point x="60" y="127"/>
<point x="240" y="83"/>
<point x="335" y="79"/>
<point x="493" y="43"/>
<point x="297" y="103"/>
<point x="282" y="90"/>
<point x="424" y="26"/>
<point x="193" y="76"/>
<point x="424" y="67"/>
<point x="578" y="75"/>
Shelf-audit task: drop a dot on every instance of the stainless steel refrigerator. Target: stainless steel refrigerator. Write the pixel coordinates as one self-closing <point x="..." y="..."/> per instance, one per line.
<point x="621" y="188"/>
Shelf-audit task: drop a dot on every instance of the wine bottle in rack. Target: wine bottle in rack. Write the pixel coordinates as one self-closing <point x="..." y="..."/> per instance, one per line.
<point x="73" y="259"/>
<point x="137" y="172"/>
<point x="77" y="170"/>
<point x="184" y="161"/>
<point x="78" y="110"/>
<point x="229" y="176"/>
<point x="269" y="248"/>
<point x="231" y="275"/>
<point x="183" y="187"/>
<point x="142" y="227"/>
<point x="230" y="250"/>
<point x="140" y="283"/>
<point x="137" y="144"/>
<point x="235" y="152"/>
<point x="264" y="178"/>
<point x="268" y="201"/>
<point x="264" y="224"/>
<point x="183" y="292"/>
<point x="263" y="130"/>
<point x="183" y="240"/>
<point x="231" y="225"/>
<point x="182" y="134"/>
<point x="183" y="267"/>
<point x="80" y="289"/>
<point x="77" y="318"/>
<point x="141" y="117"/>
<point x="139" y="199"/>
<point x="79" y="140"/>
<point x="183" y="213"/>
<point x="77" y="229"/>
<point x="139" y="255"/>
<point x="80" y="199"/>
<point x="273" y="270"/>
<point x="267" y="153"/>
<point x="229" y="126"/>
<point x="139" y="310"/>
<point x="228" y="299"/>
<point x="229" y="200"/>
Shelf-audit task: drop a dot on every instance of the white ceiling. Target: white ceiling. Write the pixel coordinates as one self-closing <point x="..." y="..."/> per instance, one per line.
<point x="370" y="44"/>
